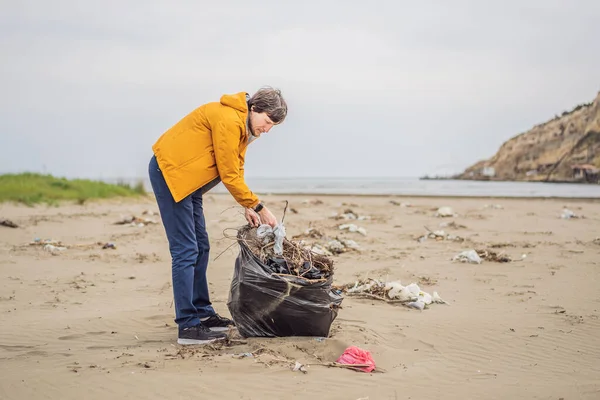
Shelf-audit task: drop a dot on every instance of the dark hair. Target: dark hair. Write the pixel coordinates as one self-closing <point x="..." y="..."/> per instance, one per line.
<point x="270" y="101"/>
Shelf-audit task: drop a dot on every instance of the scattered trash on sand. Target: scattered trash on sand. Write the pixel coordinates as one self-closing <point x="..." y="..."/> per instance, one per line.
<point x="392" y="292"/>
<point x="478" y="256"/>
<point x="489" y="255"/>
<point x="568" y="214"/>
<point x="54" y="250"/>
<point x="445" y="212"/>
<point x="348" y="214"/>
<point x="290" y="258"/>
<point x="56" y="247"/>
<point x="135" y="221"/>
<point x="299" y="367"/>
<point x="352" y="358"/>
<point x="353" y="228"/>
<point x="439" y="236"/>
<point x="281" y="288"/>
<point x="468" y="256"/>
<point x="8" y="223"/>
<point x="339" y="246"/>
<point x="328" y="246"/>
<point x="360" y="359"/>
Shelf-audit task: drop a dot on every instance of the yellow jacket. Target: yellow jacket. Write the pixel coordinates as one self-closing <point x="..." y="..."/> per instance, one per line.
<point x="208" y="143"/>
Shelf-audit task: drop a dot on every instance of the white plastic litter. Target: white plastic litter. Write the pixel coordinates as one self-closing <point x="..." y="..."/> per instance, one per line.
<point x="396" y="291"/>
<point x="350" y="244"/>
<point x="264" y="230"/>
<point x="268" y="233"/>
<point x="318" y="249"/>
<point x="335" y="246"/>
<point x="350" y="215"/>
<point x="362" y="288"/>
<point x="412" y="294"/>
<point x="353" y="228"/>
<point x="568" y="214"/>
<point x="445" y="212"/>
<point x="437" y="299"/>
<point x="54" y="249"/>
<point x="468" y="256"/>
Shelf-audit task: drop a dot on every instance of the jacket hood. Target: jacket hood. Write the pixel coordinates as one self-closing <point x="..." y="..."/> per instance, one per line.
<point x="236" y="101"/>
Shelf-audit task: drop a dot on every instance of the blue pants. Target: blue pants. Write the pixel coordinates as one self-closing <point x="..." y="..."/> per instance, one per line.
<point x="188" y="242"/>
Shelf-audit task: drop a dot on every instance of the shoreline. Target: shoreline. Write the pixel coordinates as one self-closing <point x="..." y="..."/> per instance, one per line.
<point x="421" y="196"/>
<point x="560" y="181"/>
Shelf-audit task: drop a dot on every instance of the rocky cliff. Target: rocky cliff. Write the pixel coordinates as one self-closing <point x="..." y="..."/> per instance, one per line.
<point x="566" y="148"/>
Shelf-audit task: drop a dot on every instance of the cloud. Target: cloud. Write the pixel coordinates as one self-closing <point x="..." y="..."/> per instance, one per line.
<point x="394" y="89"/>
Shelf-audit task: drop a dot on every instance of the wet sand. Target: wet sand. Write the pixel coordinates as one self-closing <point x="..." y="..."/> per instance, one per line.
<point x="94" y="323"/>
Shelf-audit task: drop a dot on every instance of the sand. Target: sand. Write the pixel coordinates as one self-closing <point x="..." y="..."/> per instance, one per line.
<point x="97" y="323"/>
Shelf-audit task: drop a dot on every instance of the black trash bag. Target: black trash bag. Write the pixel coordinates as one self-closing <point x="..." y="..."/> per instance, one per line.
<point x="267" y="305"/>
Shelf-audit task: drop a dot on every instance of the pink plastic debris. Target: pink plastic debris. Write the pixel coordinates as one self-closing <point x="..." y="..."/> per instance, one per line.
<point x="354" y="355"/>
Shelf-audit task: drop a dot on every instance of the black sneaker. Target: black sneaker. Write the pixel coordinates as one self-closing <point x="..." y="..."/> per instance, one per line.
<point x="199" y="334"/>
<point x="217" y="323"/>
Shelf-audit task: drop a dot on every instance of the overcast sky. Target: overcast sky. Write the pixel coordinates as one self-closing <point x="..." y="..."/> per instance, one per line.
<point x="380" y="88"/>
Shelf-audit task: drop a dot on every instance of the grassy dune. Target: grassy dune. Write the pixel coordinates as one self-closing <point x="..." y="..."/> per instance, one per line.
<point x="31" y="188"/>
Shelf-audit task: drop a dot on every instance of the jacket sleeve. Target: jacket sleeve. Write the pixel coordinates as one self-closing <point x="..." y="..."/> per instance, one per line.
<point x="225" y="135"/>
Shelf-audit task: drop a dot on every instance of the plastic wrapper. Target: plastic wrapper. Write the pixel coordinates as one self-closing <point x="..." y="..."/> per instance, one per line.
<point x="265" y="304"/>
<point x="356" y="356"/>
<point x="266" y="232"/>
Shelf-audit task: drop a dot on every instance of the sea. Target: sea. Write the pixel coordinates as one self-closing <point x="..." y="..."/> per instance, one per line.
<point x="412" y="187"/>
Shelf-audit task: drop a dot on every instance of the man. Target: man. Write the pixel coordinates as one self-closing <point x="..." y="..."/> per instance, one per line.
<point x="206" y="147"/>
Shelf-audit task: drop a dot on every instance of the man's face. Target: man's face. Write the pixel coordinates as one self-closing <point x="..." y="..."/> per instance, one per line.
<point x="260" y="123"/>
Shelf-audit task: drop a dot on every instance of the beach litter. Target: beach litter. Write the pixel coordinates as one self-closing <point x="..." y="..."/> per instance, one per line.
<point x="468" y="256"/>
<point x="280" y="288"/>
<point x="493" y="256"/>
<point x="282" y="256"/>
<point x="8" y="223"/>
<point x="359" y="359"/>
<point x="353" y="228"/>
<point x="392" y="292"/>
<point x="327" y="246"/>
<point x="299" y="367"/>
<point x="445" y="212"/>
<point x="478" y="256"/>
<point x="56" y="247"/>
<point x="568" y="214"/>
<point x="348" y="214"/>
<point x="339" y="246"/>
<point x="439" y="235"/>
<point x="135" y="221"/>
<point x="54" y="250"/>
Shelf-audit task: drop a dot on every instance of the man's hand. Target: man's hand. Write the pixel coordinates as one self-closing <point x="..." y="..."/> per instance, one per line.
<point x="252" y="217"/>
<point x="267" y="217"/>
